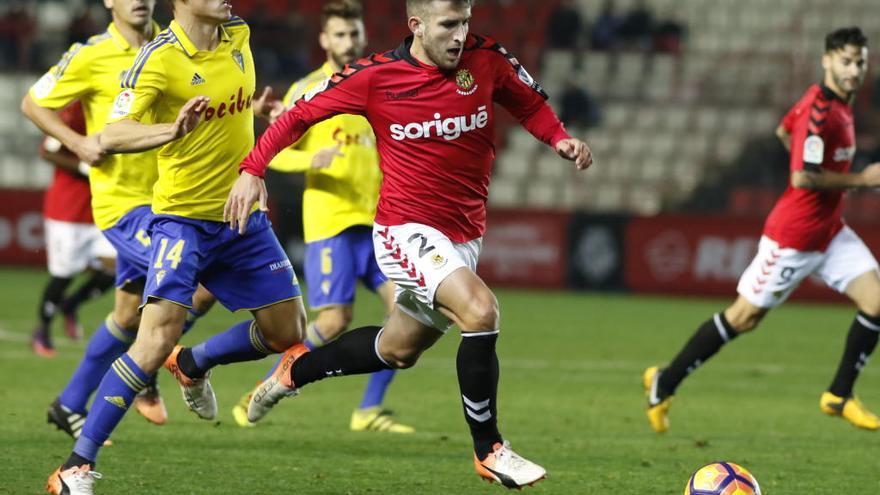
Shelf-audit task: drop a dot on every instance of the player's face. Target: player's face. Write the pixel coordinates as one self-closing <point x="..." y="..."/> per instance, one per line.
<point x="846" y="67"/>
<point x="344" y="40"/>
<point x="212" y="10"/>
<point x="137" y="13"/>
<point x="444" y="30"/>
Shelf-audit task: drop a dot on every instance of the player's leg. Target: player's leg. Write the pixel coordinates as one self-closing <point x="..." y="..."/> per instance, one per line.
<point x="771" y="277"/>
<point x="161" y="324"/>
<point x="370" y="414"/>
<point x="101" y="278"/>
<point x="112" y="338"/>
<point x="851" y="268"/>
<point x="63" y="265"/>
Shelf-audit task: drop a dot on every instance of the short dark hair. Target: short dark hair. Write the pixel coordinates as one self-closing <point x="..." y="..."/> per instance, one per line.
<point x="344" y="9"/>
<point x="413" y="7"/>
<point x="839" y="38"/>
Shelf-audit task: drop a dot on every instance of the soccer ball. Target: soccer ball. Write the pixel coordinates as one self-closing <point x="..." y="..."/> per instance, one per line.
<point x="722" y="478"/>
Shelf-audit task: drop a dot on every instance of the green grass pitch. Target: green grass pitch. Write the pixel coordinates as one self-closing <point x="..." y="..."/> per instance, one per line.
<point x="570" y="398"/>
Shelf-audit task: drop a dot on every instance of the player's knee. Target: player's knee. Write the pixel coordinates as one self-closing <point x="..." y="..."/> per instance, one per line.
<point x="481" y="314"/>
<point x="401" y="358"/>
<point x="332" y="323"/>
<point x="282" y="336"/>
<point x="744" y="322"/>
<point x="127" y="318"/>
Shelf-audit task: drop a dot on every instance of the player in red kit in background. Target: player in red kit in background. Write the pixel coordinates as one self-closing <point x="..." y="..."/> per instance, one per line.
<point x="73" y="242"/>
<point x="430" y="103"/>
<point x="804" y="235"/>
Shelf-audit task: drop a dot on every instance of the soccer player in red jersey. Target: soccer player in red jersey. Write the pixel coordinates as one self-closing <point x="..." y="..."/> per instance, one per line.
<point x="430" y="103"/>
<point x="804" y="235"/>
<point x="73" y="242"/>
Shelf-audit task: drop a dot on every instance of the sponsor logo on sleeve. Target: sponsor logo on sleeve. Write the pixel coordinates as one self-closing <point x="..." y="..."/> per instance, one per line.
<point x="122" y="105"/>
<point x="44" y="86"/>
<point x="317" y="89"/>
<point x="814" y="150"/>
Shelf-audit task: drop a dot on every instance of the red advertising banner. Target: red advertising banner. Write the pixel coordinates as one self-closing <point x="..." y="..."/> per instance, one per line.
<point x="525" y="249"/>
<point x="21" y="227"/>
<point x="702" y="255"/>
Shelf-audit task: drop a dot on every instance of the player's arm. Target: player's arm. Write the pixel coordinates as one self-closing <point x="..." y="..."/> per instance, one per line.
<point x="524" y="98"/>
<point x="132" y="136"/>
<point x="54" y="152"/>
<point x="807" y="156"/>
<point x="68" y="80"/>
<point x="146" y="81"/>
<point x="784" y="136"/>
<point x="340" y="94"/>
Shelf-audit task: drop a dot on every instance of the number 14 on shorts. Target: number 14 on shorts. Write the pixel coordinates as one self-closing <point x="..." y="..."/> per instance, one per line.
<point x="172" y="255"/>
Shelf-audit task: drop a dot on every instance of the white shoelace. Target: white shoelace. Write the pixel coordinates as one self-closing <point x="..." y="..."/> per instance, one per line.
<point x="84" y="480"/>
<point x="506" y="455"/>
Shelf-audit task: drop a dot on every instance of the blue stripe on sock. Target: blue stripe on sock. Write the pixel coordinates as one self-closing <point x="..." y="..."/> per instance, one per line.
<point x="103" y="348"/>
<point x="112" y="400"/>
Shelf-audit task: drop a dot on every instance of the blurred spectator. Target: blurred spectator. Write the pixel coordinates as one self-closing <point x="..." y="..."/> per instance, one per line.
<point x="668" y="36"/>
<point x="578" y="107"/>
<point x="84" y="24"/>
<point x="565" y="26"/>
<point x="604" y="33"/>
<point x="17" y="32"/>
<point x="637" y="27"/>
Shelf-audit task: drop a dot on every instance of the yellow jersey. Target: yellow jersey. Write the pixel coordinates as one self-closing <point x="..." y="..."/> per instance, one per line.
<point x="345" y="193"/>
<point x="92" y="72"/>
<point x="197" y="171"/>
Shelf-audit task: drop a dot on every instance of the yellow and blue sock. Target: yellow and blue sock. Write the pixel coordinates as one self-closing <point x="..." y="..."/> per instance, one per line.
<point x="120" y="385"/>
<point x="242" y="342"/>
<point x="107" y="343"/>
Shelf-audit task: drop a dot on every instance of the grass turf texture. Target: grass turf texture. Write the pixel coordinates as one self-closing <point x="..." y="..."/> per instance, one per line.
<point x="570" y="399"/>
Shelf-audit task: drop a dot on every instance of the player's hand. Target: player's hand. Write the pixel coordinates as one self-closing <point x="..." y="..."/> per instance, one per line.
<point x="871" y="175"/>
<point x="576" y="151"/>
<point x="89" y="150"/>
<point x="324" y="157"/>
<point x="246" y="190"/>
<point x="189" y="116"/>
<point x="267" y="106"/>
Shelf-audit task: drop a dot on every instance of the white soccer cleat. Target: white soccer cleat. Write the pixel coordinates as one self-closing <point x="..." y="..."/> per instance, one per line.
<point x="197" y="392"/>
<point x="72" y="481"/>
<point x="508" y="468"/>
<point x="276" y="387"/>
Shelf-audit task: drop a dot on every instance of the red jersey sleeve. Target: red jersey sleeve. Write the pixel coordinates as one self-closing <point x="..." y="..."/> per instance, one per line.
<point x="72" y="115"/>
<point x="809" y="134"/>
<point x="525" y="99"/>
<point x="345" y="92"/>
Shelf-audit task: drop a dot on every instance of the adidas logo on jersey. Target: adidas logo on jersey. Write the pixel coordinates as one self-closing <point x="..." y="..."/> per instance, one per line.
<point x="450" y="128"/>
<point x="197" y="79"/>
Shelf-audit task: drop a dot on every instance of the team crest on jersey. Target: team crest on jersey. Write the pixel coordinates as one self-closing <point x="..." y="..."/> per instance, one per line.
<point x="465" y="82"/>
<point x="239" y="59"/>
<point x="438" y="260"/>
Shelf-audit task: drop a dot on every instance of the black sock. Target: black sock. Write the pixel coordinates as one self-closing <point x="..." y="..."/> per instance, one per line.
<point x="52" y="295"/>
<point x="353" y="353"/>
<point x="187" y="364"/>
<point x="96" y="285"/>
<point x="860" y="343"/>
<point x="477" y="366"/>
<point x="708" y="339"/>
<point x="76" y="460"/>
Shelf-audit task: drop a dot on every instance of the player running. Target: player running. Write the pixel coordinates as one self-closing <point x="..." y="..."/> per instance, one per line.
<point x="196" y="80"/>
<point x="73" y="243"/>
<point x="341" y="165"/>
<point x="804" y="235"/>
<point x="430" y="102"/>
<point x="121" y="187"/>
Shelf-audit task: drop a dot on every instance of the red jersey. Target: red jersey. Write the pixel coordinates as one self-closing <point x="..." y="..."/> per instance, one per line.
<point x="822" y="138"/>
<point x="434" y="129"/>
<point x="68" y="198"/>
